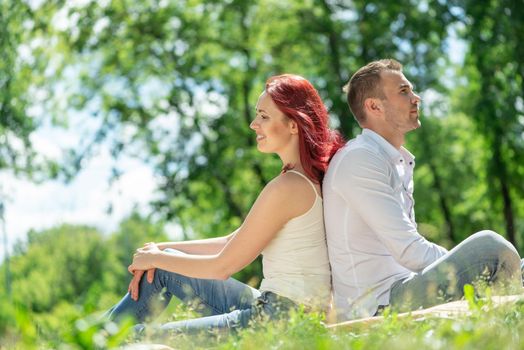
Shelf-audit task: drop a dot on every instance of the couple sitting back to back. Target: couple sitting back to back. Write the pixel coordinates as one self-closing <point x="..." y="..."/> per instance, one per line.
<point x="376" y="254"/>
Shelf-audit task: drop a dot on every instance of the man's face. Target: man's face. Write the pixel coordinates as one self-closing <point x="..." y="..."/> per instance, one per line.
<point x="401" y="103"/>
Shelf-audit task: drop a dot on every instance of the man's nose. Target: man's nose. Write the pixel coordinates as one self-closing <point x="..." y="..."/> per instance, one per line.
<point x="416" y="99"/>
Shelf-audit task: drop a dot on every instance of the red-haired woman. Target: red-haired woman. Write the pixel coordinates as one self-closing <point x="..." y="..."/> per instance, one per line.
<point x="285" y="225"/>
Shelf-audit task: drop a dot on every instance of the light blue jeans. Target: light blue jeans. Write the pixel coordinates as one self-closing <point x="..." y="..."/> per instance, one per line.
<point x="483" y="258"/>
<point x="225" y="305"/>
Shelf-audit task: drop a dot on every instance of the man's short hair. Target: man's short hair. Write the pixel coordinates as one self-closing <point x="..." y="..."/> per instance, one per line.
<point x="365" y="83"/>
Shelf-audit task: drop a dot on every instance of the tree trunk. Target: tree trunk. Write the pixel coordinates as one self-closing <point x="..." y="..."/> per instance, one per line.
<point x="507" y="204"/>
<point x="340" y="108"/>
<point x="439" y="188"/>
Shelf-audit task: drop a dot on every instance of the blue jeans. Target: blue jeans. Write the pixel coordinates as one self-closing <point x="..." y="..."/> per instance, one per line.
<point x="483" y="258"/>
<point x="225" y="304"/>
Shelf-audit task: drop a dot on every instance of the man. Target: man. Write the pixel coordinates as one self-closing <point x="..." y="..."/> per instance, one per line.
<point x="377" y="255"/>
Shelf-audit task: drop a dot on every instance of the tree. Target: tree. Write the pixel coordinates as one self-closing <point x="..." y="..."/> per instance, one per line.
<point x="494" y="96"/>
<point x="133" y="232"/>
<point x="15" y="124"/>
<point x="175" y="83"/>
<point x="56" y="265"/>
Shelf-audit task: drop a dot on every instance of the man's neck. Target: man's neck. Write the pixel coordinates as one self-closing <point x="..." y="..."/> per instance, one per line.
<point x="395" y="139"/>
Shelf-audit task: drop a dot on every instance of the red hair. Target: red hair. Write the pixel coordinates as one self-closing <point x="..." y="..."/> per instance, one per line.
<point x="300" y="102"/>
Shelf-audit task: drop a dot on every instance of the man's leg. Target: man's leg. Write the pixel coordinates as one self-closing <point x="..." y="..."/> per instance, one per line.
<point x="483" y="257"/>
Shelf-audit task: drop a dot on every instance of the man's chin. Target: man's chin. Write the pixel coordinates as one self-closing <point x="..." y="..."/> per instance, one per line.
<point x="414" y="127"/>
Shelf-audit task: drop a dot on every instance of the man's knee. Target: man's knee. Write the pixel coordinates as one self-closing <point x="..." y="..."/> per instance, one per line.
<point x="493" y="247"/>
<point x="495" y="242"/>
<point x="507" y="256"/>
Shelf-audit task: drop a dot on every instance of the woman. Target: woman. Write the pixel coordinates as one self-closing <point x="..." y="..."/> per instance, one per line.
<point x="285" y="224"/>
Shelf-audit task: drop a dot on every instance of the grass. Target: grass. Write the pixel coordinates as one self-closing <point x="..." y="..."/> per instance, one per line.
<point x="487" y="327"/>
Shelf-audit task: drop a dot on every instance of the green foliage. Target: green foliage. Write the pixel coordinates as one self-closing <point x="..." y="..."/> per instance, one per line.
<point x="62" y="274"/>
<point x="175" y="83"/>
<point x="15" y="125"/>
<point x="486" y="327"/>
<point x="62" y="320"/>
<point x="451" y="201"/>
<point x="493" y="99"/>
<point x="182" y="79"/>
<point x="92" y="333"/>
<point x="57" y="264"/>
<point x="132" y="234"/>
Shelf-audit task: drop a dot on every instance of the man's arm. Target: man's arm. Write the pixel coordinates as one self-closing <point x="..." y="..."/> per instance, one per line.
<point x="363" y="181"/>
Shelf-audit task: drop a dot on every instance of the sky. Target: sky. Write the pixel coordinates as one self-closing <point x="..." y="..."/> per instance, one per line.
<point x="83" y="201"/>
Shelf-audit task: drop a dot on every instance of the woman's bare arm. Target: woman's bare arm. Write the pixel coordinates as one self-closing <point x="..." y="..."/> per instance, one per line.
<point x="282" y="199"/>
<point x="207" y="246"/>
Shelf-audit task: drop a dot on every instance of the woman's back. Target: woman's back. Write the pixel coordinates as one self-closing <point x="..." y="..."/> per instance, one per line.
<point x="295" y="262"/>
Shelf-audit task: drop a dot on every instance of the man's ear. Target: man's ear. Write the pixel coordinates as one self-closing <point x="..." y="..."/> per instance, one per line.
<point x="372" y="105"/>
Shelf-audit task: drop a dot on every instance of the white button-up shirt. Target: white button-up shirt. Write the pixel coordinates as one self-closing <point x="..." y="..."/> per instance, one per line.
<point x="370" y="224"/>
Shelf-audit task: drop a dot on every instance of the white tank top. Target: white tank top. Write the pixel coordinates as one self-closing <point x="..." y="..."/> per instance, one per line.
<point x="295" y="263"/>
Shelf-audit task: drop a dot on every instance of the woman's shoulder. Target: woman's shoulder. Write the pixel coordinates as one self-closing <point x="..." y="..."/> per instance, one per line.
<point x="290" y="181"/>
<point x="291" y="186"/>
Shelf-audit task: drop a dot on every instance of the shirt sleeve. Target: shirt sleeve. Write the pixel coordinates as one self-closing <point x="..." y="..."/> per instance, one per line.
<point x="363" y="181"/>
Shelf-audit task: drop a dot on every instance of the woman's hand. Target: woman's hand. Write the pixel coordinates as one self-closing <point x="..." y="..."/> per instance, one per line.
<point x="134" y="285"/>
<point x="143" y="259"/>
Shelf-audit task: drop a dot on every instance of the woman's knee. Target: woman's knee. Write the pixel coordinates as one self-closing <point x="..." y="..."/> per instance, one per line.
<point x="161" y="274"/>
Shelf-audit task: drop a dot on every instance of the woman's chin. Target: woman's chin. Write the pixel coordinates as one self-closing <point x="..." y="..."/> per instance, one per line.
<point x="261" y="148"/>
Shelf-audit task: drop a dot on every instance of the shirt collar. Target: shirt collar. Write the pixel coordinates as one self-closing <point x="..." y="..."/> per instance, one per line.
<point x="394" y="154"/>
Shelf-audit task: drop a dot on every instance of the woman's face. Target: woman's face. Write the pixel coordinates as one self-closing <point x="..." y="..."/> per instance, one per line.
<point x="273" y="128"/>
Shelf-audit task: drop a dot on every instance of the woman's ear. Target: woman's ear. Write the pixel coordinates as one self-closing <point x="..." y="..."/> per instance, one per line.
<point x="293" y="127"/>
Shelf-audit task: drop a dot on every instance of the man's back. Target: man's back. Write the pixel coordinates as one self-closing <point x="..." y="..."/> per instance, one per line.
<point x="370" y="227"/>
